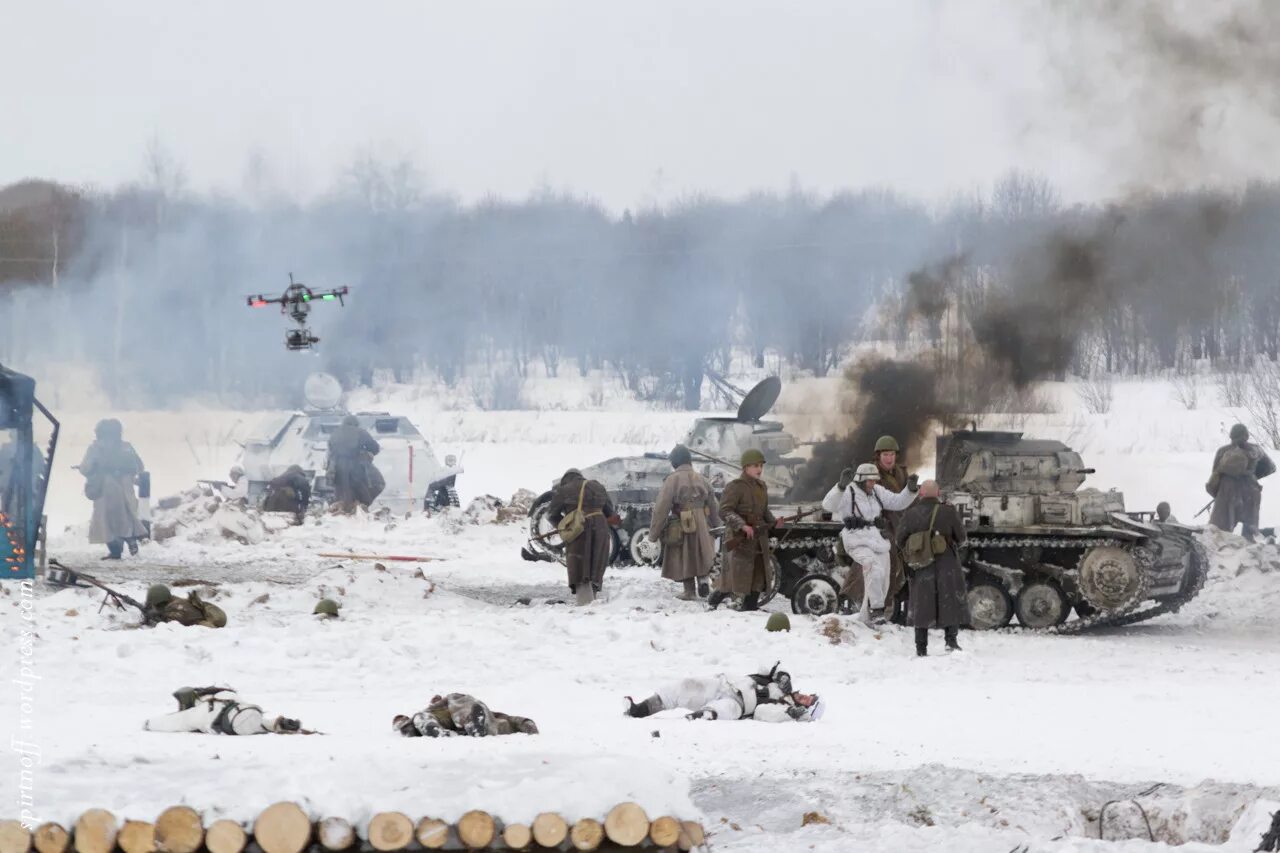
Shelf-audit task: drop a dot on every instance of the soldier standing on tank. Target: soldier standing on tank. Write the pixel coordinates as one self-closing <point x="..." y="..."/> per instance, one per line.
<point x="110" y="468"/>
<point x="683" y="515"/>
<point x="588" y="555"/>
<point x="938" y="592"/>
<point x="744" y="509"/>
<point x="1237" y="495"/>
<point x="348" y="464"/>
<point x="894" y="477"/>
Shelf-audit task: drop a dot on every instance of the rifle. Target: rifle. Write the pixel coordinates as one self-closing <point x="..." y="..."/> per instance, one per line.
<point x="219" y="484"/>
<point x="1203" y="510"/>
<point x="63" y="576"/>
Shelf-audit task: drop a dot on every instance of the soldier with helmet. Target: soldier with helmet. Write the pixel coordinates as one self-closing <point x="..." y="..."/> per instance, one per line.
<point x="1237" y="495"/>
<point x="350" y="465"/>
<point x="163" y="606"/>
<point x="766" y="695"/>
<point x="863" y="507"/>
<point x="894" y="477"/>
<point x="744" y="509"/>
<point x="461" y="714"/>
<point x="587" y="556"/>
<point x="219" y="711"/>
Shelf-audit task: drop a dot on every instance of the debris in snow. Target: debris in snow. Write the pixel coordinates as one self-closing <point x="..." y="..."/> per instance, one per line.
<point x="814" y="817"/>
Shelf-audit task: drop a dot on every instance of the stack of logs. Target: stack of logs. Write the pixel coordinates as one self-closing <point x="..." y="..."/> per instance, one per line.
<point x="286" y="828"/>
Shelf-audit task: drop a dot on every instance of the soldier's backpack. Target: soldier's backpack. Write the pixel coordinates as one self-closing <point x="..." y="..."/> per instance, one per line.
<point x="574" y="522"/>
<point x="923" y="546"/>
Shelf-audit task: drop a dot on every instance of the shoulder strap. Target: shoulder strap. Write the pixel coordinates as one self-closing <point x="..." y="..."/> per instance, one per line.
<point x="582" y="492"/>
<point x="933" y="518"/>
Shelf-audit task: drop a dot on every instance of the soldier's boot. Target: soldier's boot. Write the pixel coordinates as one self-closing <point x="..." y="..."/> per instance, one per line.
<point x="690" y="592"/>
<point x="952" y="637"/>
<point x="716" y="599"/>
<point x="478" y="723"/>
<point x="404" y="725"/>
<point x="427" y="725"/>
<point x="133" y="547"/>
<point x="704" y="588"/>
<point x="652" y="705"/>
<point x="922" y="642"/>
<point x="115" y="548"/>
<point x="750" y="601"/>
<point x="584" y="594"/>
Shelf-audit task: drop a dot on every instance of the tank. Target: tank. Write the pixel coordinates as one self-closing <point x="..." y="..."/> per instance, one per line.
<point x="633" y="481"/>
<point x="1041" y="547"/>
<point x="414" y="477"/>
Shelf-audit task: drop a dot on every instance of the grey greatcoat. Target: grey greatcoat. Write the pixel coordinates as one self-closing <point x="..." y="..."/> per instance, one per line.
<point x="1237" y="496"/>
<point x="693" y="554"/>
<point x="110" y="467"/>
<point x="938" y="591"/>
<point x="745" y="502"/>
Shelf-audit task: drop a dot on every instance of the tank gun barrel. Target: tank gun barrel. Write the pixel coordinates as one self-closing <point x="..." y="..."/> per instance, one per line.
<point x="729" y="464"/>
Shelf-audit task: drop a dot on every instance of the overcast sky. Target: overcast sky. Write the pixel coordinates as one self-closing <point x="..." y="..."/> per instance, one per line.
<point x="629" y="102"/>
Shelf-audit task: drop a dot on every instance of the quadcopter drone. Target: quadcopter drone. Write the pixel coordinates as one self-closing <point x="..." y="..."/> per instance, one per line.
<point x="296" y="302"/>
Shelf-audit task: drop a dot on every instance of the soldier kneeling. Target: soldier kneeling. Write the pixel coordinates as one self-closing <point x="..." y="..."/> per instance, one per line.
<point x="219" y="711"/>
<point x="461" y="714"/>
<point x="767" y="696"/>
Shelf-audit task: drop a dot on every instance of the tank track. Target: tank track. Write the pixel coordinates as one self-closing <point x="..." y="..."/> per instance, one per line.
<point x="1129" y="615"/>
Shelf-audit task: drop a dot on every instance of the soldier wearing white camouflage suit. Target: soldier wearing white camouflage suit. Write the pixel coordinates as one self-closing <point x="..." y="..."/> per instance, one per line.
<point x="767" y="696"/>
<point x="218" y="711"/>
<point x="861" y="506"/>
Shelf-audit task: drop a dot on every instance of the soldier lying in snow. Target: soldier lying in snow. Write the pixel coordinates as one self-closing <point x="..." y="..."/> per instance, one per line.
<point x="217" y="710"/>
<point x="766" y="696"/>
<point x="460" y="714"/>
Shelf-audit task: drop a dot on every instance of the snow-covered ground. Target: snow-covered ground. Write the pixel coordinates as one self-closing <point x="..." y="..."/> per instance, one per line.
<point x="1018" y="740"/>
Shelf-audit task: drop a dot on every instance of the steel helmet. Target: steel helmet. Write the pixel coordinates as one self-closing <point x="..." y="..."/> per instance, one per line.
<point x="887" y="442"/>
<point x="751" y="456"/>
<point x="866" y="471"/>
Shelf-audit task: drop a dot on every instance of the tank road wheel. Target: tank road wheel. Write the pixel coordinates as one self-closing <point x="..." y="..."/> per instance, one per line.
<point x="989" y="607"/>
<point x="815" y="595"/>
<point x="544" y="541"/>
<point x="644" y="551"/>
<point x="1110" y="578"/>
<point x="1041" y="605"/>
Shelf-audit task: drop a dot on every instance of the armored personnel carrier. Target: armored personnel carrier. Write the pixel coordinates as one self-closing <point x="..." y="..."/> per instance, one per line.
<point x="414" y="478"/>
<point x="1039" y="545"/>
<point x="634" y="481"/>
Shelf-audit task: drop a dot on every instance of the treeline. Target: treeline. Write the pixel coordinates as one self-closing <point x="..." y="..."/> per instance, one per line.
<point x="148" y="283"/>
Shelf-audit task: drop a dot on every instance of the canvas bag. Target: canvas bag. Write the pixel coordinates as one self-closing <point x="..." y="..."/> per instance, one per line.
<point x="924" y="545"/>
<point x="574" y="523"/>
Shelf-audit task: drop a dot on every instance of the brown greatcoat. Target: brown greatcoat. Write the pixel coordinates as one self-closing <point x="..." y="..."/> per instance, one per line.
<point x="110" y="467"/>
<point x="938" y="591"/>
<point x="587" y="556"/>
<point x="1237" y="498"/>
<point x="745" y="502"/>
<point x="693" y="555"/>
<point x="895" y="480"/>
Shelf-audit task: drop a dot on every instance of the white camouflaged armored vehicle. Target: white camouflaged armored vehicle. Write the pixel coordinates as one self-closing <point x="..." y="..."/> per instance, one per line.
<point x="633" y="481"/>
<point x="415" y="478"/>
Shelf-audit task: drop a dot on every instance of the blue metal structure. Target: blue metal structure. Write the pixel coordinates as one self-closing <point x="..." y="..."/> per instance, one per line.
<point x="24" y="473"/>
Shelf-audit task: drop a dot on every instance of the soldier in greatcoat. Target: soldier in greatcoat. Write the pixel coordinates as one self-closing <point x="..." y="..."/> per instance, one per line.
<point x="744" y="509"/>
<point x="350" y="465"/>
<point x="1237" y="494"/>
<point x="938" y="591"/>
<point x="588" y="555"/>
<point x="683" y="516"/>
<point x="111" y="467"/>
<point x="461" y="714"/>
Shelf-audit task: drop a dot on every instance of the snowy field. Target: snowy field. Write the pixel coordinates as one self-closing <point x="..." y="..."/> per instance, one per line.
<point x="1015" y="743"/>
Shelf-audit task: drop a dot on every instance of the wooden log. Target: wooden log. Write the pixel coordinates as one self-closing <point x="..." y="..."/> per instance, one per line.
<point x="691" y="835"/>
<point x="336" y="834"/>
<point x="282" y="828"/>
<point x="137" y="836"/>
<point x="549" y="829"/>
<point x="51" y="838"/>
<point x="389" y="831"/>
<point x="225" y="836"/>
<point x="517" y="836"/>
<point x="476" y="830"/>
<point x="587" y="834"/>
<point x="664" y="832"/>
<point x="14" y="837"/>
<point x="95" y="832"/>
<point x="432" y="833"/>
<point x="179" y="830"/>
<point x="627" y="825"/>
